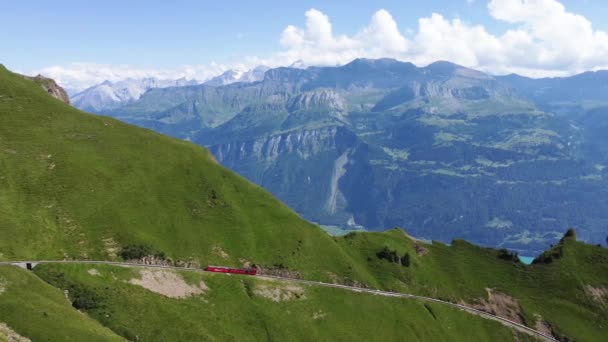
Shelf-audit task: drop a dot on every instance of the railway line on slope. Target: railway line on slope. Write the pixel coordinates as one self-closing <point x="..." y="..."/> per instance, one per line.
<point x="504" y="321"/>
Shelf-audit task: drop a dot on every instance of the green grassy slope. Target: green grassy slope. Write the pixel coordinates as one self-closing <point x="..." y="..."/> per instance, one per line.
<point x="234" y="309"/>
<point x="36" y="310"/>
<point x="558" y="292"/>
<point x="79" y="186"/>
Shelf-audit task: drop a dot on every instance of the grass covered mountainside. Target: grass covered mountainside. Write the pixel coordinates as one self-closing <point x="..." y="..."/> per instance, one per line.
<point x="565" y="290"/>
<point x="250" y="309"/>
<point x="566" y="297"/>
<point x="228" y="309"/>
<point x="31" y="308"/>
<point x="73" y="185"/>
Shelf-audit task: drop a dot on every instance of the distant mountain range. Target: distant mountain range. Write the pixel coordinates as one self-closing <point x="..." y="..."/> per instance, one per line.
<point x="111" y="95"/>
<point x="443" y="150"/>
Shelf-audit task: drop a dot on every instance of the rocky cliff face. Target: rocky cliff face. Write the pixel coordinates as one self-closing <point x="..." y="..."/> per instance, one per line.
<point x="302" y="167"/>
<point x="303" y="143"/>
<point x="51" y="87"/>
<point x="322" y="99"/>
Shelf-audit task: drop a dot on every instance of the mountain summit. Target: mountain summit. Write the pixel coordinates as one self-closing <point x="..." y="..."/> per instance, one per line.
<point x="233" y="76"/>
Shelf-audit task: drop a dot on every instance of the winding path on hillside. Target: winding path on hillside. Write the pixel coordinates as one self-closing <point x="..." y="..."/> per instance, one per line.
<point x="505" y="321"/>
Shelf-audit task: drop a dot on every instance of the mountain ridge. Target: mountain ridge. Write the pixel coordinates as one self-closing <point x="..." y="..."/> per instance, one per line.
<point x="108" y="95"/>
<point x="236" y="75"/>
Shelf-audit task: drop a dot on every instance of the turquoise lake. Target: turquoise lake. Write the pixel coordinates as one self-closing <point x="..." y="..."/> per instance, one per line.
<point x="526" y="259"/>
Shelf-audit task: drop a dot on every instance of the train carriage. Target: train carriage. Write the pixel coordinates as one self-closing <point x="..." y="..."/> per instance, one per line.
<point x="223" y="269"/>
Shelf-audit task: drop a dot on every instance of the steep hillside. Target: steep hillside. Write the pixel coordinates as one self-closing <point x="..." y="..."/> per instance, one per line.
<point x="133" y="302"/>
<point x="79" y="186"/>
<point x="32" y="309"/>
<point x="565" y="291"/>
<point x="51" y="87"/>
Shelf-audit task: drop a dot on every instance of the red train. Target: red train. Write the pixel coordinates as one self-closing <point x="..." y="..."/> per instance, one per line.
<point x="223" y="269"/>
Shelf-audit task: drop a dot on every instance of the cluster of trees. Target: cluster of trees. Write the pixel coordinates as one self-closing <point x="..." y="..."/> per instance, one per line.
<point x="136" y="252"/>
<point x="82" y="297"/>
<point x="557" y="251"/>
<point x="505" y="254"/>
<point x="392" y="256"/>
<point x="547" y="257"/>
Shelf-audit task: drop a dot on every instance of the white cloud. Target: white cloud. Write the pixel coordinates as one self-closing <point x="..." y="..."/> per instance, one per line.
<point x="555" y="38"/>
<point x="543" y="39"/>
<point x="82" y="75"/>
<point x="382" y="33"/>
<point x="455" y="41"/>
<point x="317" y="45"/>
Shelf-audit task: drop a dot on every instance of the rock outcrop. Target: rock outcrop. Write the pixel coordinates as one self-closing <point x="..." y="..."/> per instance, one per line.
<point x="51" y="87"/>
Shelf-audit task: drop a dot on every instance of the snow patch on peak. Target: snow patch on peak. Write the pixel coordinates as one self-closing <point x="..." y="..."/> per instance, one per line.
<point x="110" y="95"/>
<point x="239" y="75"/>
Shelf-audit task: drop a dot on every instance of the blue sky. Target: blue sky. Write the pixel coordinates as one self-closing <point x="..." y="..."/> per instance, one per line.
<point x="176" y="32"/>
<point x="168" y="35"/>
